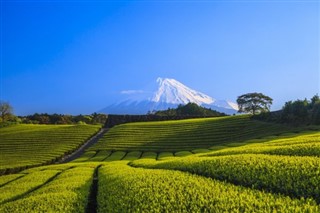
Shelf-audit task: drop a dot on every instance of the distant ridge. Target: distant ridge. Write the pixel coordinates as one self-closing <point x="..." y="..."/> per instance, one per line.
<point x="169" y="94"/>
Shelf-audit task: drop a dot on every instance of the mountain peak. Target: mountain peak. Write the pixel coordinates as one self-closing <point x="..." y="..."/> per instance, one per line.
<point x="161" y="81"/>
<point x="168" y="93"/>
<point x="173" y="92"/>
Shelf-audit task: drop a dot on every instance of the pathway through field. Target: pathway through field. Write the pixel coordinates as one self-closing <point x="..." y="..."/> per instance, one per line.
<point x="86" y="145"/>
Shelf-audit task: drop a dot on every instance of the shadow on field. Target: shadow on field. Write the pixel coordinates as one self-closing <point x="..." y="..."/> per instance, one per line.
<point x="230" y="132"/>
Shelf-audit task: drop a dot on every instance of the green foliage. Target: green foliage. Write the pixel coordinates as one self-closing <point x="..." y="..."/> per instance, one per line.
<point x="303" y="144"/>
<point x="107" y="155"/>
<point x="64" y="119"/>
<point x="185" y="135"/>
<point x="298" y="113"/>
<point x="293" y="176"/>
<point x="182" y="153"/>
<point x="33" y="145"/>
<point x="254" y="103"/>
<point x="25" y="184"/>
<point x="68" y="192"/>
<point x="190" y="109"/>
<point x="196" y="151"/>
<point x="268" y="179"/>
<point x="165" y="155"/>
<point x="125" y="189"/>
<point x="7" y="123"/>
<point x="149" y="155"/>
<point x="81" y="123"/>
<point x="132" y="155"/>
<point x="251" y="166"/>
<point x="101" y="155"/>
<point x="5" y="179"/>
<point x="118" y="155"/>
<point x="314" y="100"/>
<point x="6" y="111"/>
<point x="85" y="156"/>
<point x="301" y="111"/>
<point x="315" y="113"/>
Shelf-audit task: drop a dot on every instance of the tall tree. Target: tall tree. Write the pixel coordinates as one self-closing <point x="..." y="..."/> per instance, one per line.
<point x="5" y="110"/>
<point x="254" y="103"/>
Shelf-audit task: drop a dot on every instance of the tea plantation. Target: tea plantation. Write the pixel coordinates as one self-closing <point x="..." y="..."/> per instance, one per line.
<point x="25" y="146"/>
<point x="227" y="164"/>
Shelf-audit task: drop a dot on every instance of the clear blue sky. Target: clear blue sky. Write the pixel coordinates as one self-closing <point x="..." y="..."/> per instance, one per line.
<point x="76" y="56"/>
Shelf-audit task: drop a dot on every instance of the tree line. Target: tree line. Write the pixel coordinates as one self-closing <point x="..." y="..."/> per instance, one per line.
<point x="45" y="118"/>
<point x="190" y="109"/>
<point x="299" y="112"/>
<point x="7" y="117"/>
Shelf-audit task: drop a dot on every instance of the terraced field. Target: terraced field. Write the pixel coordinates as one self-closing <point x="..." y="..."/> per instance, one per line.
<point x="163" y="190"/>
<point x="63" y="188"/>
<point x="23" y="146"/>
<point x="160" y="187"/>
<point x="305" y="143"/>
<point x="257" y="167"/>
<point x="184" y="137"/>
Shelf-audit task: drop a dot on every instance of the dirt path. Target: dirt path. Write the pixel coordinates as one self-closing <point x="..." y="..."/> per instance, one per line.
<point x="86" y="145"/>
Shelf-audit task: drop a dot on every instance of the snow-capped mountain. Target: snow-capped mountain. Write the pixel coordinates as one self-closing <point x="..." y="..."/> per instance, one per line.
<point x="174" y="92"/>
<point x="168" y="93"/>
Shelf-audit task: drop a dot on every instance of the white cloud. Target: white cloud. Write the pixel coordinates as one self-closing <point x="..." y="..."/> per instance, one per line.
<point x="129" y="92"/>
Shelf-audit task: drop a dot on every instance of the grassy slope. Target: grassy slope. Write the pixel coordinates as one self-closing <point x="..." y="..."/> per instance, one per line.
<point x="260" y="175"/>
<point x="57" y="188"/>
<point x="304" y="143"/>
<point x="288" y="164"/>
<point x="122" y="188"/>
<point x="186" y="135"/>
<point x="126" y="189"/>
<point x="29" y="145"/>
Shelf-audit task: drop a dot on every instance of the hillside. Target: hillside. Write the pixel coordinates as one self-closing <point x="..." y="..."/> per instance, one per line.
<point x="186" y="135"/>
<point x="23" y="145"/>
<point x="296" y="154"/>
<point x="178" y="184"/>
<point x="250" y="166"/>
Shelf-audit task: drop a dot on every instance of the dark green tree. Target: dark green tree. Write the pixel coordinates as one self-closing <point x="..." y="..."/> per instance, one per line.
<point x="315" y="113"/>
<point x="6" y="111"/>
<point x="314" y="100"/>
<point x="254" y="103"/>
<point x="190" y="109"/>
<point x="295" y="112"/>
<point x="98" y="118"/>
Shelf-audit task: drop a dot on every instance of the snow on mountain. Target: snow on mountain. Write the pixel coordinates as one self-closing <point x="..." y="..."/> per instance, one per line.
<point x="174" y="92"/>
<point x="169" y="94"/>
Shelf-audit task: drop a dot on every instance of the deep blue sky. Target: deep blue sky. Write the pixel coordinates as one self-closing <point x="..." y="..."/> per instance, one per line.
<point x="76" y="57"/>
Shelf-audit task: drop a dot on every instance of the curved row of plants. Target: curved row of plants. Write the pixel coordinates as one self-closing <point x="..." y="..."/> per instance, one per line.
<point x="126" y="189"/>
<point x="292" y="176"/>
<point x="24" y="146"/>
<point x="186" y="135"/>
<point x="49" y="190"/>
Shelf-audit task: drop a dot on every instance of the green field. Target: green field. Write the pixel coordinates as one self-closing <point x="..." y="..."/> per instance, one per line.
<point x="186" y="135"/>
<point x="231" y="164"/>
<point x="30" y="145"/>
